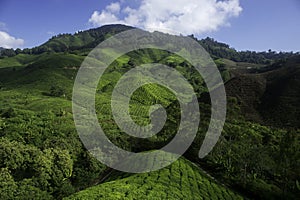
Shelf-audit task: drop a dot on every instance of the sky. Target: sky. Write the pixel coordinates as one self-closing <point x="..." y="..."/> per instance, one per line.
<point x="257" y="25"/>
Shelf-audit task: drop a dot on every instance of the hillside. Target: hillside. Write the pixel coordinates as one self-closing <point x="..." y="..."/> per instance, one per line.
<point x="41" y="154"/>
<point x="181" y="180"/>
<point x="270" y="94"/>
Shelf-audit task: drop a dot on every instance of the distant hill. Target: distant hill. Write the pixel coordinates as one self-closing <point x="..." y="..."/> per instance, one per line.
<point x="222" y="50"/>
<point x="270" y="94"/>
<point x="81" y="40"/>
<point x="84" y="41"/>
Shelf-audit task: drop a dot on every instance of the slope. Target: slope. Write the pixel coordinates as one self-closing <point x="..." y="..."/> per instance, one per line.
<point x="181" y="180"/>
<point x="269" y="94"/>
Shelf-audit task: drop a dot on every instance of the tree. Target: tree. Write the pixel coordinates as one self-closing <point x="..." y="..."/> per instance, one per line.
<point x="56" y="91"/>
<point x="8" y="52"/>
<point x="288" y="157"/>
<point x="7" y="184"/>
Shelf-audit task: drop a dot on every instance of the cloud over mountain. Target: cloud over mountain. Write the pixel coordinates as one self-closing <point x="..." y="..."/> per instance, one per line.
<point x="186" y="17"/>
<point x="8" y="41"/>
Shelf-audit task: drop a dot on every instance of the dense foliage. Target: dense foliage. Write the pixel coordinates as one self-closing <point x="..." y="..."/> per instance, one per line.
<point x="41" y="155"/>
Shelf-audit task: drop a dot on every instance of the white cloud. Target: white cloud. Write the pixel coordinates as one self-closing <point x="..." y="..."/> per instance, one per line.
<point x="181" y="16"/>
<point x="107" y="16"/>
<point x="8" y="41"/>
<point x="114" y="7"/>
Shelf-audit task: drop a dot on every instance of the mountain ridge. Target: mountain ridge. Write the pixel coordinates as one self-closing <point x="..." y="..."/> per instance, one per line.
<point x="88" y="39"/>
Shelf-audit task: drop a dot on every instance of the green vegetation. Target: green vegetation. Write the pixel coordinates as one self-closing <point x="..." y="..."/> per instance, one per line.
<point x="262" y="162"/>
<point x="41" y="155"/>
<point x="181" y="180"/>
<point x="221" y="50"/>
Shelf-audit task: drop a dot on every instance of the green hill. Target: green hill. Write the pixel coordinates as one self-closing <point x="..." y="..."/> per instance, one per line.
<point x="81" y="40"/>
<point x="42" y="156"/>
<point x="181" y="180"/>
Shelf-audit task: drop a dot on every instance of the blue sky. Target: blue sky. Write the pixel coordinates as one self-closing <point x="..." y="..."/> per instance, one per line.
<point x="245" y="25"/>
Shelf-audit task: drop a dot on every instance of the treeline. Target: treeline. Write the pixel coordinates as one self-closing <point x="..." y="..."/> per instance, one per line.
<point x="222" y="50"/>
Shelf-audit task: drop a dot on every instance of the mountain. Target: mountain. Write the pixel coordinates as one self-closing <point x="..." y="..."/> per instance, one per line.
<point x="41" y="155"/>
<point x="81" y="40"/>
<point x="86" y="40"/>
